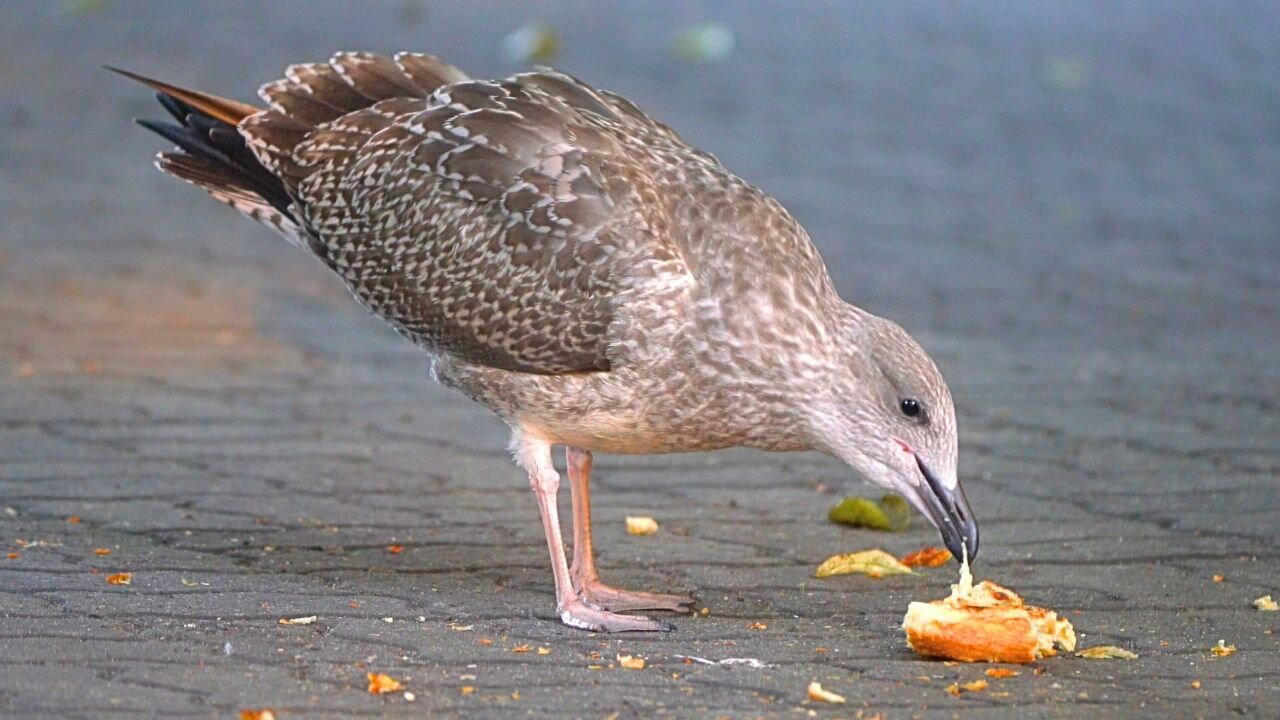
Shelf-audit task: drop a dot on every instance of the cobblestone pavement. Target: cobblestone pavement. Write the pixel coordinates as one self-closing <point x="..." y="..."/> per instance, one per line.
<point x="1075" y="206"/>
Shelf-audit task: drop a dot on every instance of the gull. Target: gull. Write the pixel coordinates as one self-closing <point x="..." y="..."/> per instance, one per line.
<point x="570" y="263"/>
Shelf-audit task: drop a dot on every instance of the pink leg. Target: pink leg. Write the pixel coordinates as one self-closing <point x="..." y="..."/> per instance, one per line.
<point x="535" y="457"/>
<point x="583" y="571"/>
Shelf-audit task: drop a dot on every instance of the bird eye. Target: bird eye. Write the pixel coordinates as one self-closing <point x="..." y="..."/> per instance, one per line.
<point x="910" y="407"/>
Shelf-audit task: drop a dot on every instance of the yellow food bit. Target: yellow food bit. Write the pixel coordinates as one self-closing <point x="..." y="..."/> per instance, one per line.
<point x="818" y="694"/>
<point x="380" y="684"/>
<point x="1266" y="604"/>
<point x="262" y="714"/>
<point x="1222" y="649"/>
<point x="120" y="579"/>
<point x="976" y="686"/>
<point x="1107" y="652"/>
<point x="641" y="526"/>
<point x="999" y="673"/>
<point x="631" y="663"/>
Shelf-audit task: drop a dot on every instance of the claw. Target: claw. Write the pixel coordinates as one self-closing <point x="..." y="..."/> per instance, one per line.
<point x="578" y="614"/>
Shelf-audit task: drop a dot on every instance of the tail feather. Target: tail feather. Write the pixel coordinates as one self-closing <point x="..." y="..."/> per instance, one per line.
<point x="247" y="157"/>
<point x="225" y="185"/>
<point x="228" y="111"/>
<point x="214" y="156"/>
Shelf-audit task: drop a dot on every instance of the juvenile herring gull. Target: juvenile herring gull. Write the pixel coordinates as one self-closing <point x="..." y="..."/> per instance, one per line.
<point x="570" y="263"/>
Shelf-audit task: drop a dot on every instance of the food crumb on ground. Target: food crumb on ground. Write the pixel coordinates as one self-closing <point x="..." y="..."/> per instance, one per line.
<point x="928" y="557"/>
<point x="818" y="694"/>
<point x="641" y="526"/>
<point x="631" y="663"/>
<point x="380" y="684"/>
<point x="1107" y="652"/>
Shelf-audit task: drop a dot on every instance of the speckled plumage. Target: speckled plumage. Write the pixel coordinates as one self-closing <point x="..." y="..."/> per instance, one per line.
<point x="526" y="231"/>
<point x="572" y="264"/>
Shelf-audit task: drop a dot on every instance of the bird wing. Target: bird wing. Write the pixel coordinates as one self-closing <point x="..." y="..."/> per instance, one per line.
<point x="505" y="223"/>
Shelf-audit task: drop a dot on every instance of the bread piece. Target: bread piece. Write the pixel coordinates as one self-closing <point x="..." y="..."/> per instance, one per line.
<point x="985" y="623"/>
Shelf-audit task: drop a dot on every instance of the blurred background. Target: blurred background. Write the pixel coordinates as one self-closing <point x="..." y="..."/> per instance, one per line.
<point x="1086" y="177"/>
<point x="1075" y="206"/>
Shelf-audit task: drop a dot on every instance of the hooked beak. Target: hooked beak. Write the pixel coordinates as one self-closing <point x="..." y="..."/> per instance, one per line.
<point x="949" y="511"/>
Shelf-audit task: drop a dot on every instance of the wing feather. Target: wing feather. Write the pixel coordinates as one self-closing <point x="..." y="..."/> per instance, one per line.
<point x="499" y="222"/>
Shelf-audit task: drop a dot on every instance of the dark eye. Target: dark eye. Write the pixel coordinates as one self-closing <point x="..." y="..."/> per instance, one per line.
<point x="910" y="407"/>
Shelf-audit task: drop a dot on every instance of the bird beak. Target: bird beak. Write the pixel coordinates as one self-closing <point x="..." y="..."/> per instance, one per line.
<point x="948" y="510"/>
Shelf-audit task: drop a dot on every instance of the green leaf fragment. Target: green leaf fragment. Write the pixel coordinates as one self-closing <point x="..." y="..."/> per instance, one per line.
<point x="897" y="510"/>
<point x="891" y="513"/>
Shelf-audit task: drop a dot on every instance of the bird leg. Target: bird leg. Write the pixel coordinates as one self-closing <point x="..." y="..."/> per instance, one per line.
<point x="583" y="571"/>
<point x="535" y="457"/>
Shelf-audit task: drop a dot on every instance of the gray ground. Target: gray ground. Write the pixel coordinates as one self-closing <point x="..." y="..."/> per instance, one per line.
<point x="1074" y="206"/>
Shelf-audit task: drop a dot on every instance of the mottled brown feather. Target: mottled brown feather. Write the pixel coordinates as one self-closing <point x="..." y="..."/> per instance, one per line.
<point x="497" y="222"/>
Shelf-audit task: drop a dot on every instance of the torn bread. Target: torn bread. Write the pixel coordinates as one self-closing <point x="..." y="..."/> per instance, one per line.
<point x="985" y="623"/>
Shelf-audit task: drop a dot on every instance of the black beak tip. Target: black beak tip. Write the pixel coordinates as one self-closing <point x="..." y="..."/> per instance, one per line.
<point x="962" y="541"/>
<point x="949" y="510"/>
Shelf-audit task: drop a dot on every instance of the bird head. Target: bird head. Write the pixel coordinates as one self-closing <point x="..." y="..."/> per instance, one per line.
<point x="886" y="411"/>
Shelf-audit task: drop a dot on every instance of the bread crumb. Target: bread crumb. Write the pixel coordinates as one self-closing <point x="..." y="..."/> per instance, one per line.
<point x="1222" y="649"/>
<point x="818" y="694"/>
<point x="929" y="557"/>
<point x="1001" y="673"/>
<point x="260" y="714"/>
<point x="1107" y="652"/>
<point x="631" y="663"/>
<point x="1266" y="604"/>
<point x="380" y="684"/>
<point x="641" y="525"/>
<point x="120" y="579"/>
